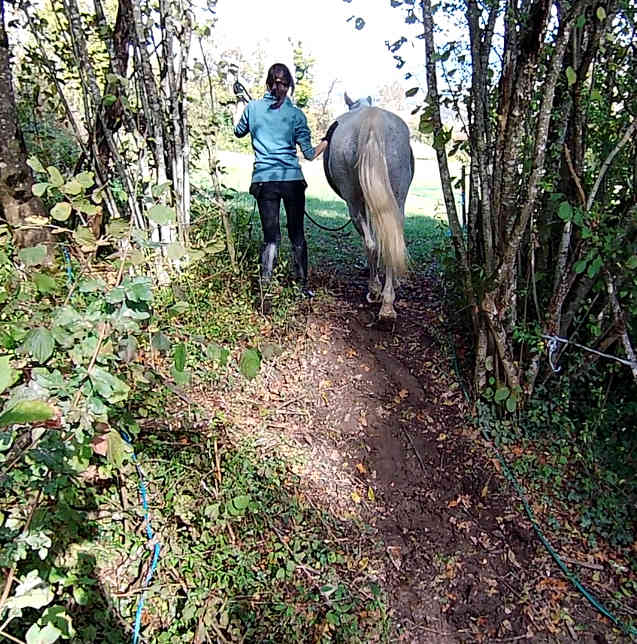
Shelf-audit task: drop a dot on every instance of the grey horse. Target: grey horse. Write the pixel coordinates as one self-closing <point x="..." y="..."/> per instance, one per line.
<point x="369" y="164"/>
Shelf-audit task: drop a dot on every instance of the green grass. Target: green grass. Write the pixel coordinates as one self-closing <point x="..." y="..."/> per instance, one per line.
<point x="258" y="563"/>
<point x="424" y="198"/>
<point x="425" y="219"/>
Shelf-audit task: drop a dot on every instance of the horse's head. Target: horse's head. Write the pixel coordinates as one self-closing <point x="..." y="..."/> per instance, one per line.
<point x="361" y="102"/>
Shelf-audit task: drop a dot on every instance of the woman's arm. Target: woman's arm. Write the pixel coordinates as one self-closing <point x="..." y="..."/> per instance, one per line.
<point x="241" y="123"/>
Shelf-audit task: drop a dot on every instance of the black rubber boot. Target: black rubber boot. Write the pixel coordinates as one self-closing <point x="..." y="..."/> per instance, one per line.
<point x="269" y="254"/>
<point x="299" y="255"/>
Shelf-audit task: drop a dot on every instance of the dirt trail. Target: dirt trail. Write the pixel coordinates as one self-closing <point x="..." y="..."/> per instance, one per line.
<point x="381" y="420"/>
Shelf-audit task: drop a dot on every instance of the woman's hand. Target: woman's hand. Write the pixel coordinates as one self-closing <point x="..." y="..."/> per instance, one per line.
<point x="318" y="150"/>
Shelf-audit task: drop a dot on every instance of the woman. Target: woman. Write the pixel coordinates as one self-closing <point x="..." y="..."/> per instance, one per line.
<point x="277" y="127"/>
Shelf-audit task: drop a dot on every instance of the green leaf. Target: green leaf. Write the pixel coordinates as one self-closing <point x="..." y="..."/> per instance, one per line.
<point x="412" y="92"/>
<point x="44" y="283"/>
<point x="116" y="295"/>
<point x="250" y="363"/>
<point x="180" y="377"/>
<point x="109" y="99"/>
<point x="501" y="393"/>
<point x="118" y="228"/>
<point x="80" y="595"/>
<point x="33" y="256"/>
<point x="241" y="502"/>
<point x="108" y="386"/>
<point x="425" y="126"/>
<point x="631" y="264"/>
<point x="25" y="412"/>
<point x="511" y="404"/>
<point x="333" y="618"/>
<point x="162" y="215"/>
<point x="601" y="13"/>
<point x="56" y="178"/>
<point x="213" y="352"/>
<point x="117" y="449"/>
<point x="175" y="251"/>
<point x="565" y="211"/>
<point x="180" y="356"/>
<point x="580" y="266"/>
<point x="86" y="207"/>
<point x="594" y="267"/>
<point x="8" y="375"/>
<point x="31" y="592"/>
<point x="85" y="179"/>
<point x="238" y="505"/>
<point x="61" y="211"/>
<point x="34" y="163"/>
<point x="39" y="343"/>
<point x="217" y="246"/>
<point x="91" y="285"/>
<point x="571" y="76"/>
<point x="160" y="342"/>
<point x="42" y="635"/>
<point x="158" y="190"/>
<point x="56" y="615"/>
<point x="139" y="290"/>
<point x="72" y="187"/>
<point x="178" y="308"/>
<point x="39" y="189"/>
<point x="84" y="236"/>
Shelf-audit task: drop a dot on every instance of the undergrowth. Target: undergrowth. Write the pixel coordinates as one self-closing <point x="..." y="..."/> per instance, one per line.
<point x="89" y="357"/>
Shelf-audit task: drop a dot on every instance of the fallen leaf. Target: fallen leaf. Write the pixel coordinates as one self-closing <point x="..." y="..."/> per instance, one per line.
<point x="394" y="556"/>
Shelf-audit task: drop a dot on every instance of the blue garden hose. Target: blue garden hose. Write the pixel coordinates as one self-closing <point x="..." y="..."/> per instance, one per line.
<point x="151" y="538"/>
<point x="571" y="576"/>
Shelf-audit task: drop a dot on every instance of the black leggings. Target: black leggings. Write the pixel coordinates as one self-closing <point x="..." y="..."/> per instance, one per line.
<point x="269" y="195"/>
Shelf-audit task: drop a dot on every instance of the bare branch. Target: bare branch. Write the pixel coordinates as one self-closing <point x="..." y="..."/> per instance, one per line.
<point x="627" y="134"/>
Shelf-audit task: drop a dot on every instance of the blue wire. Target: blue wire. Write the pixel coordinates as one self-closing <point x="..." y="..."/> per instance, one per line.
<point x="150" y="535"/>
<point x="69" y="268"/>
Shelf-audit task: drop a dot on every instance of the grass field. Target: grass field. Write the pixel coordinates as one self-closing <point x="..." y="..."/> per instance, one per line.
<point x="424" y="198"/>
<point x="425" y="220"/>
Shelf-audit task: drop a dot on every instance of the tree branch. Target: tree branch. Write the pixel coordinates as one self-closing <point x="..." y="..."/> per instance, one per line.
<point x="609" y="159"/>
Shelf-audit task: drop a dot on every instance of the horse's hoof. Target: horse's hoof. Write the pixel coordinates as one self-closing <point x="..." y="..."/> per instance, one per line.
<point x="387" y="316"/>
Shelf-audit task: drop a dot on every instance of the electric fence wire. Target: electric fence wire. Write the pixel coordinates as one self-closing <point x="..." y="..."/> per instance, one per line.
<point x="571" y="576"/>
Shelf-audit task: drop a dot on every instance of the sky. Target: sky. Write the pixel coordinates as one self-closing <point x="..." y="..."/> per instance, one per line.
<point x="358" y="59"/>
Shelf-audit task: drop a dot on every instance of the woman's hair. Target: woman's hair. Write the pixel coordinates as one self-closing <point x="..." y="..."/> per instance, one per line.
<point x="280" y="90"/>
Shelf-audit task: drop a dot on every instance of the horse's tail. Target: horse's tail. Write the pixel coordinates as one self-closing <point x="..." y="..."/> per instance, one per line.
<point x="381" y="206"/>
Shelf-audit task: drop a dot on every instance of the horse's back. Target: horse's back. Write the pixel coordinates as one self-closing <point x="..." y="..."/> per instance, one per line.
<point x="341" y="160"/>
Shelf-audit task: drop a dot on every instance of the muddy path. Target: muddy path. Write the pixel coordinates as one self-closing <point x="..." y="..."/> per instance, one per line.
<point x="386" y="439"/>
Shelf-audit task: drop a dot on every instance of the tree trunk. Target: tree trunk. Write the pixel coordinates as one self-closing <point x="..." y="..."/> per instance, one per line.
<point x="17" y="201"/>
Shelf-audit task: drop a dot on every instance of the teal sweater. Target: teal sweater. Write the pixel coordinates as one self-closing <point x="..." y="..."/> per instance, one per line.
<point x="275" y="135"/>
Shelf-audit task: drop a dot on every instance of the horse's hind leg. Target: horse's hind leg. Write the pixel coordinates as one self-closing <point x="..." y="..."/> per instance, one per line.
<point x="374" y="285"/>
<point x="387" y="311"/>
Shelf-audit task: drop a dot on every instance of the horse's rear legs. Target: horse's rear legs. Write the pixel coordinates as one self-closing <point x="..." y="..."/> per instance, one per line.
<point x="387" y="311"/>
<point x="374" y="286"/>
